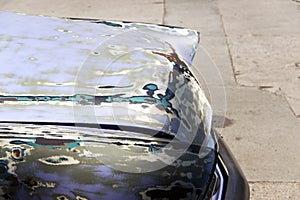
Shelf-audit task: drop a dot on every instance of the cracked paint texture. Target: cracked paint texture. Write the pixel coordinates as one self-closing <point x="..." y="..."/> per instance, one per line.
<point x="112" y="74"/>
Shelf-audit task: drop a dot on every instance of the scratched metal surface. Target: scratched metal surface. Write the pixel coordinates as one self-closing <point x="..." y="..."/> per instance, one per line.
<point x="42" y="57"/>
<point x="88" y="72"/>
<point x="51" y="162"/>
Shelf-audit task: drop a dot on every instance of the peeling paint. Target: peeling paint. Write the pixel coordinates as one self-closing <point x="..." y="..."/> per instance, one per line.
<point x="97" y="175"/>
<point x="134" y="77"/>
<point x="59" y="160"/>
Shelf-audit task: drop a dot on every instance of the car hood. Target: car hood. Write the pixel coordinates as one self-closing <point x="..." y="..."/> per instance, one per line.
<point x="61" y="70"/>
<point x="128" y="84"/>
<point x="47" y="161"/>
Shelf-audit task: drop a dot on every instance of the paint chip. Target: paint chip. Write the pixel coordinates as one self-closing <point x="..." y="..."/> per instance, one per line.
<point x="64" y="30"/>
<point x="32" y="58"/>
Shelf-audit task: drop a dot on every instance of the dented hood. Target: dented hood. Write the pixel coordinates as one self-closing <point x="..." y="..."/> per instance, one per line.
<point x="126" y="82"/>
<point x="75" y="71"/>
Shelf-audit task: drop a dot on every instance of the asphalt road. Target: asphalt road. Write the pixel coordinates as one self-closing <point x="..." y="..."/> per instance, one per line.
<point x="250" y="63"/>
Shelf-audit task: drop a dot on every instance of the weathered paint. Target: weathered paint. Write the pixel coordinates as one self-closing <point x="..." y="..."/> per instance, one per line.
<point x="104" y="60"/>
<point x="50" y="167"/>
<point x="62" y="71"/>
<point x="85" y="99"/>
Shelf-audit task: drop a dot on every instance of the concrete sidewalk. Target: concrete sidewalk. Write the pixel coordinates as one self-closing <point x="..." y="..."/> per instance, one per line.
<point x="255" y="46"/>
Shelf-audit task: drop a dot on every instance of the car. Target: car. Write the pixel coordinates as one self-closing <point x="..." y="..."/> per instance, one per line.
<point x="95" y="109"/>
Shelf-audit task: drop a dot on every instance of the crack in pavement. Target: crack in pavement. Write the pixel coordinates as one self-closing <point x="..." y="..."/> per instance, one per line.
<point x="164" y="12"/>
<point x="227" y="43"/>
<point x="273" y="86"/>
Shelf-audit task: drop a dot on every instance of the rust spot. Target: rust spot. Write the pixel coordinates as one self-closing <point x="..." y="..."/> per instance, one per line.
<point x="150" y="100"/>
<point x="16" y="153"/>
<point x="172" y="57"/>
<point x="75" y="151"/>
<point x="9" y="99"/>
<point x="145" y="106"/>
<point x="168" y="111"/>
<point x="160" y="107"/>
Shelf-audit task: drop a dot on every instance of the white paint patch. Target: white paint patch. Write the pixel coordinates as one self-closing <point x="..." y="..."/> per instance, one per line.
<point x="59" y="160"/>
